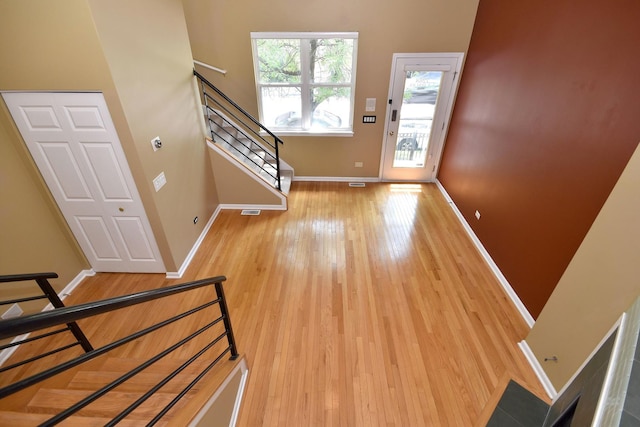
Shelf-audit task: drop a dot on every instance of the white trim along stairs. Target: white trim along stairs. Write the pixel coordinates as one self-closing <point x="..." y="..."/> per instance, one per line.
<point x="248" y="151"/>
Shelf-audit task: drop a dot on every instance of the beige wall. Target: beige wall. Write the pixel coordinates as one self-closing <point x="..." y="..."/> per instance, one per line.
<point x="600" y="283"/>
<point x="43" y="46"/>
<point x="34" y="236"/>
<point x="220" y="413"/>
<point x="219" y="34"/>
<point x="142" y="63"/>
<point x="147" y="47"/>
<point x="238" y="187"/>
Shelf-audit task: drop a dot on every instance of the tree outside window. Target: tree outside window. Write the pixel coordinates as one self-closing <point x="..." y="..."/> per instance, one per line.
<point x="305" y="81"/>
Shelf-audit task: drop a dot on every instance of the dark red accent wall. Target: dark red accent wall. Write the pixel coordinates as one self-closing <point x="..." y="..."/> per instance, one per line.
<point x="546" y="118"/>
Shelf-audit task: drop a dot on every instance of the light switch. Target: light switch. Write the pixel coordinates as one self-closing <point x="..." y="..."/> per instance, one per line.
<point x="371" y="104"/>
<point x="159" y="181"/>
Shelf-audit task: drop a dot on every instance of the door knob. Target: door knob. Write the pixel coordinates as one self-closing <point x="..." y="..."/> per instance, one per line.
<point x="121" y="209"/>
<point x="391" y="133"/>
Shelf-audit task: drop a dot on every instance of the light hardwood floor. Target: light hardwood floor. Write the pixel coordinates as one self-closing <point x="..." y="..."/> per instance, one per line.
<point x="357" y="307"/>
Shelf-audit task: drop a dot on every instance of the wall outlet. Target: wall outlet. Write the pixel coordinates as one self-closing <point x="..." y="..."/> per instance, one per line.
<point x="477" y="215"/>
<point x="14" y="311"/>
<point x="359" y="164"/>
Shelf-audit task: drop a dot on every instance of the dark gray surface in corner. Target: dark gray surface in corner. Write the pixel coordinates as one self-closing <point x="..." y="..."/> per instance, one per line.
<point x="587" y="384"/>
<point x="518" y="407"/>
<point x="631" y="408"/>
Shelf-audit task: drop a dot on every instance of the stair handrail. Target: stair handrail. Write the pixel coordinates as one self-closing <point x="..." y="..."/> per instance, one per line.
<point x="252" y="119"/>
<point x="46" y="319"/>
<point x="58" y="316"/>
<point x="236" y="106"/>
<point x="211" y="67"/>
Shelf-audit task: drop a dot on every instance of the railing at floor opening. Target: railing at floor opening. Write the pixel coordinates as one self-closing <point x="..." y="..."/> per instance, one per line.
<point x="27" y="324"/>
<point x="42" y="280"/>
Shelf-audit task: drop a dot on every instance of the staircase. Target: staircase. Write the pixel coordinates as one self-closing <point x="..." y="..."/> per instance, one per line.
<point x="250" y="144"/>
<point x="167" y="366"/>
<point x="64" y="392"/>
<point x="248" y="151"/>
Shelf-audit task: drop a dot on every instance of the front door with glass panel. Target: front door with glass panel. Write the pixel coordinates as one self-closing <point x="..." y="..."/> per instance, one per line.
<point x="420" y="102"/>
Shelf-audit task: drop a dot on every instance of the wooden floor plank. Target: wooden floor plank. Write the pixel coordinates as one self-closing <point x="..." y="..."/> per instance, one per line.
<point x="357" y="306"/>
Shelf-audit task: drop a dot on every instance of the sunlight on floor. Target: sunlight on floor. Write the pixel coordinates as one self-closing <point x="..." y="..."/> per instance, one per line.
<point x="399" y="217"/>
<point x="409" y="188"/>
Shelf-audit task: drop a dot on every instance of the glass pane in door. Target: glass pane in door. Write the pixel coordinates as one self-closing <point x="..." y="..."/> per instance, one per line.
<point x="421" y="91"/>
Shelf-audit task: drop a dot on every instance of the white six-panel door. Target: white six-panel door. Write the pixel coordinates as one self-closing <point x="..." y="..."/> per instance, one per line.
<point x="75" y="145"/>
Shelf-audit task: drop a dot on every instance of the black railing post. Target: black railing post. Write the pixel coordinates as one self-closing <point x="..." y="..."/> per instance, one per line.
<point x="48" y="290"/>
<point x="275" y="143"/>
<point x="227" y="320"/>
<point x="205" y="100"/>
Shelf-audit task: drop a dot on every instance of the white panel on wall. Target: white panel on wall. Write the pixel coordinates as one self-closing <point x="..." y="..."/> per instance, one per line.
<point x="106" y="170"/>
<point x="65" y="171"/>
<point x="98" y="236"/>
<point x="133" y="235"/>
<point x="85" y="118"/>
<point x="40" y="118"/>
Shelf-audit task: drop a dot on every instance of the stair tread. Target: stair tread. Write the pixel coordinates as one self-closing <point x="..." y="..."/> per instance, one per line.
<point x="236" y="148"/>
<point x="24" y="419"/>
<point x="52" y="401"/>
<point x="258" y="155"/>
<point x="215" y="118"/>
<point x="165" y="365"/>
<point x="93" y="380"/>
<point x="286" y="177"/>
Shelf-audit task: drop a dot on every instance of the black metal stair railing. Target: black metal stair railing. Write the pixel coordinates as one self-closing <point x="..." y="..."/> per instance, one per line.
<point x="30" y="323"/>
<point x="42" y="280"/>
<point x="243" y="134"/>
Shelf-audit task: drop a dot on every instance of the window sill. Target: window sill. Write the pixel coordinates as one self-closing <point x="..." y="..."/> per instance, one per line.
<point x="339" y="134"/>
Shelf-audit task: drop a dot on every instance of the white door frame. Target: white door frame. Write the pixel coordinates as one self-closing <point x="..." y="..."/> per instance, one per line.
<point x="444" y="111"/>
<point x="75" y="146"/>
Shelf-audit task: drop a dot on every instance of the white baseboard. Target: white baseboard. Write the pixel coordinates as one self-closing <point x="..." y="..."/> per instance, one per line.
<point x="240" y="395"/>
<point x="71" y="286"/>
<point x="7" y="352"/>
<point x="537" y="368"/>
<point x="178" y="274"/>
<point x="240" y="206"/>
<point x="492" y="265"/>
<point x="336" y="179"/>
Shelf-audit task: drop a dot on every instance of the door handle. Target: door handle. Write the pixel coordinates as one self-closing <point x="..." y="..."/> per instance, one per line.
<point x="391" y="133"/>
<point x="121" y="209"/>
